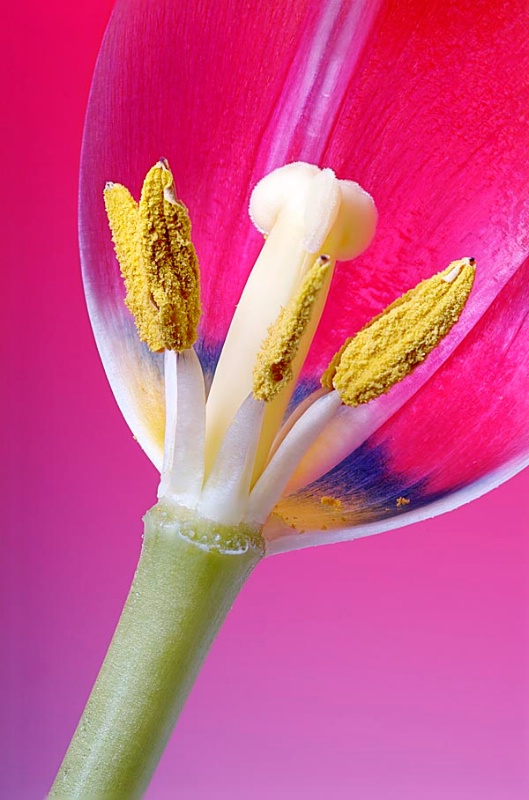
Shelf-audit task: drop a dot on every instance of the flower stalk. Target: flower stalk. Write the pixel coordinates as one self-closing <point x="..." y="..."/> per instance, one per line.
<point x="189" y="574"/>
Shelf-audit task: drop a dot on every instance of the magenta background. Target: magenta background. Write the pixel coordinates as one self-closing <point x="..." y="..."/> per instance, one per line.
<point x="394" y="668"/>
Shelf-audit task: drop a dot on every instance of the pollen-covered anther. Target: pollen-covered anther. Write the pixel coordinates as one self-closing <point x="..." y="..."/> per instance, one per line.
<point x="396" y="341"/>
<point x="157" y="260"/>
<point x="273" y="368"/>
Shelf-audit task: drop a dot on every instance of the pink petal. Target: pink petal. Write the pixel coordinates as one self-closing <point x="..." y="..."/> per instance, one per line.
<point x="434" y="125"/>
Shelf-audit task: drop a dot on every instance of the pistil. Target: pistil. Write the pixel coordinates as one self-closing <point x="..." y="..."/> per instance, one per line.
<point x="304" y="213"/>
<point x="158" y="262"/>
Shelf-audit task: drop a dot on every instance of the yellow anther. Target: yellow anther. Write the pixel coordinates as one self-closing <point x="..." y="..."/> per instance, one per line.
<point x="390" y="346"/>
<point x="273" y="368"/>
<point x="157" y="260"/>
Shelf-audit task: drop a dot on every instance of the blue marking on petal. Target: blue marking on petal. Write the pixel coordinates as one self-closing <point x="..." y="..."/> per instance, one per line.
<point x="303" y="389"/>
<point x="366" y="470"/>
<point x="209" y="354"/>
<point x="366" y="475"/>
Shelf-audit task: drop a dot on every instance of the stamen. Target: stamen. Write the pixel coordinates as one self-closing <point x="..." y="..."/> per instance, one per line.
<point x="273" y="369"/>
<point x="390" y="346"/>
<point x="157" y="260"/>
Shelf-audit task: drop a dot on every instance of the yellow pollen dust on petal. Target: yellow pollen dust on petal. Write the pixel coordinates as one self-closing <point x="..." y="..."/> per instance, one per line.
<point x="333" y="502"/>
<point x="157" y="260"/>
<point x="396" y="341"/>
<point x="273" y="369"/>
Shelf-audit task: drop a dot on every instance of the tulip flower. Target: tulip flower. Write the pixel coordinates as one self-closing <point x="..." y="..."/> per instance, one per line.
<point x="262" y="446"/>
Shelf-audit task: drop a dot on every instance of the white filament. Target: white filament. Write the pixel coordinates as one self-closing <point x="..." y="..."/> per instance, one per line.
<point x="275" y="477"/>
<point x="225" y="494"/>
<point x="183" y="466"/>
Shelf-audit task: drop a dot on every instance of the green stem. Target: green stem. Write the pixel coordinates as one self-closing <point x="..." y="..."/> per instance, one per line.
<point x="189" y="573"/>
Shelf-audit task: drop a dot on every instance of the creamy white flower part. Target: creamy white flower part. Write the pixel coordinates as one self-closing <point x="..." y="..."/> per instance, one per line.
<point x="304" y="212"/>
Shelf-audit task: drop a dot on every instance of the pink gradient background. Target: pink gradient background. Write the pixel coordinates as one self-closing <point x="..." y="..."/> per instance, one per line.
<point x="394" y="668"/>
